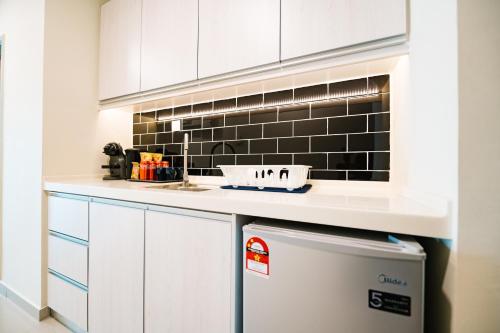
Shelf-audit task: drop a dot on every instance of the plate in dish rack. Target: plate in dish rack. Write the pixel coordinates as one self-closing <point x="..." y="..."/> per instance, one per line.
<point x="288" y="177"/>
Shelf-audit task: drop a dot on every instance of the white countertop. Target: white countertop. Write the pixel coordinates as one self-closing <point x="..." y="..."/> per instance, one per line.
<point x="361" y="209"/>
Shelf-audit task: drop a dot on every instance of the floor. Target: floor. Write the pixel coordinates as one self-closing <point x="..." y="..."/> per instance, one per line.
<point x="14" y="320"/>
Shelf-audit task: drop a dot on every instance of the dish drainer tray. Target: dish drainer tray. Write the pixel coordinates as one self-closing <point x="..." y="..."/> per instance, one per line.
<point x="302" y="189"/>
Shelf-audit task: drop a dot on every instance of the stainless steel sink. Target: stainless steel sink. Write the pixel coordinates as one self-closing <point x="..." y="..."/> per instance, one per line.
<point x="181" y="187"/>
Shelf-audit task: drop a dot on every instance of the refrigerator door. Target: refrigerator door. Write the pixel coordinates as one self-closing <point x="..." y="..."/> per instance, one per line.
<point x="321" y="283"/>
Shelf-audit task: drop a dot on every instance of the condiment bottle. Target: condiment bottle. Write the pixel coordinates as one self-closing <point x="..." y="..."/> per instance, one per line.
<point x="143" y="170"/>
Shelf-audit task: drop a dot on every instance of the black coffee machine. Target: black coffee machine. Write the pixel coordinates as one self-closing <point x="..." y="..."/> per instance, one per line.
<point x="117" y="163"/>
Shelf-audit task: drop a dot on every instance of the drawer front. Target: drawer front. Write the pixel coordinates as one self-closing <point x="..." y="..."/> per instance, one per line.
<point x="69" y="216"/>
<point x="68" y="300"/>
<point x="68" y="258"/>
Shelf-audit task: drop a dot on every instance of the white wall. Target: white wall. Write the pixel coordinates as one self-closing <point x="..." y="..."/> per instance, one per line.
<point x="22" y="23"/>
<point x="478" y="282"/>
<point x="74" y="131"/>
<point x="52" y="126"/>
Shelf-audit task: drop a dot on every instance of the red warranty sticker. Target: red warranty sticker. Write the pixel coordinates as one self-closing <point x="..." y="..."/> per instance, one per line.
<point x="257" y="256"/>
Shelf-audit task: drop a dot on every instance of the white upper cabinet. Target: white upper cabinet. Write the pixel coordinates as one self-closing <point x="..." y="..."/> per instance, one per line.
<point x="169" y="42"/>
<point x="237" y="34"/>
<point x="309" y="27"/>
<point x="120" y="48"/>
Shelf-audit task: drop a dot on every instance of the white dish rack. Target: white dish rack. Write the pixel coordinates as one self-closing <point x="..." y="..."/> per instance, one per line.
<point x="289" y="177"/>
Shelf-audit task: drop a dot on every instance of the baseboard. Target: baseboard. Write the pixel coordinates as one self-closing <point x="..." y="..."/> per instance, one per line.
<point x="66" y="322"/>
<point x="25" y="305"/>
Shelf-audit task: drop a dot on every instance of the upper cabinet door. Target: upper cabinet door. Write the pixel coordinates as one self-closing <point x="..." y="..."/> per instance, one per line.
<point x="309" y="27"/>
<point x="169" y="42"/>
<point x="237" y="34"/>
<point x="120" y="48"/>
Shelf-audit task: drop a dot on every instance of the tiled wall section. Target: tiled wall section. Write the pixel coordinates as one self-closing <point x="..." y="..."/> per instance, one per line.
<point x="341" y="129"/>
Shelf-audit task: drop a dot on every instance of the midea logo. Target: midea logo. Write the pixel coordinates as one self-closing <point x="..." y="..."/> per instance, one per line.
<point x="382" y="278"/>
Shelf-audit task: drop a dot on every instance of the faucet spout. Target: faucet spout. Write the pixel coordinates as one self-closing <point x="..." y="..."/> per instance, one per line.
<point x="185" y="175"/>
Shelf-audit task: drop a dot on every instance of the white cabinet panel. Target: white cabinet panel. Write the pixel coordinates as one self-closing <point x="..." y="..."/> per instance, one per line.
<point x="68" y="258"/>
<point x="67" y="300"/>
<point x="188" y="274"/>
<point x="116" y="266"/>
<point x="169" y="42"/>
<point x="69" y="216"/>
<point x="309" y="27"/>
<point x="237" y="34"/>
<point x="120" y="48"/>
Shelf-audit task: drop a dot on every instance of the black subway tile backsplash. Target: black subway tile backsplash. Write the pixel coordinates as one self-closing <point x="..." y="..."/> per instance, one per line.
<point x="379" y="122"/>
<point x="140" y="128"/>
<point x="204" y="161"/>
<point x="178" y="137"/>
<point x="225" y="133"/>
<point x="277" y="159"/>
<point x="162" y="138"/>
<point x="224" y="160"/>
<point x="148" y="139"/>
<point x="341" y="129"/>
<point x="368" y="175"/>
<point x="328" y="143"/>
<point x="275" y="130"/>
<point x="332" y="108"/>
<point x="349" y="88"/>
<point x="224" y="105"/>
<point x="369" y="142"/>
<point x="379" y="161"/>
<point x="342" y="125"/>
<point x="238" y="118"/>
<point x="173" y="149"/>
<point x="201" y="135"/>
<point x="136" y="118"/>
<point x="147" y="117"/>
<point x="368" y="104"/>
<point x="278" y="97"/>
<point x="182" y="111"/>
<point x="195" y="148"/>
<point x="347" y="161"/>
<point x="251" y="101"/>
<point x="264" y="116"/>
<point x="294" y="112"/>
<point x="293" y="145"/>
<point x="316" y="161"/>
<point x="191" y="123"/>
<point x="165" y="113"/>
<point x="249" y="160"/>
<point x="311" y="93"/>
<point x="263" y="146"/>
<point x="326" y="174"/>
<point x="310" y="127"/>
<point x="249" y="132"/>
<point x="379" y="83"/>
<point x="212" y="148"/>
<point x="236" y="147"/>
<point x="213" y="121"/>
<point x="202" y="108"/>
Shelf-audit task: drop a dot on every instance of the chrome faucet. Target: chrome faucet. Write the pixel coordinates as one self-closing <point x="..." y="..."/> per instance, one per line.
<point x="185" y="176"/>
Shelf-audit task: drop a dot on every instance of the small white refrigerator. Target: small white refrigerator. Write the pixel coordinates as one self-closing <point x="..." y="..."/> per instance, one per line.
<point x="300" y="279"/>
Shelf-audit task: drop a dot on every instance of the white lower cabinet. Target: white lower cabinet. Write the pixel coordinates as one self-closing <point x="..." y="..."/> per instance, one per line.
<point x="68" y="300"/>
<point x="187" y="273"/>
<point x="116" y="268"/>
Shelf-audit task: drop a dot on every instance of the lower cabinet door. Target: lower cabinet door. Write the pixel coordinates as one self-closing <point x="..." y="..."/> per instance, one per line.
<point x="188" y="274"/>
<point x="116" y="269"/>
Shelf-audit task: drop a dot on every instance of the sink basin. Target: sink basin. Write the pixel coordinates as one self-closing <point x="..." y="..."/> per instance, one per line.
<point x="181" y="187"/>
